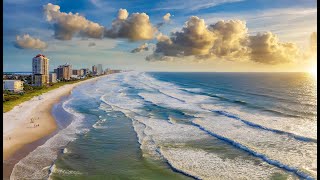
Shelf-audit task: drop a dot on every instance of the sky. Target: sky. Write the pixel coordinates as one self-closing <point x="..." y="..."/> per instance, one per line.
<point x="166" y="35"/>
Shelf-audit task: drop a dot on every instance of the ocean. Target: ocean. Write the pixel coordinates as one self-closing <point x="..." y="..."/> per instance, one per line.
<point x="153" y="125"/>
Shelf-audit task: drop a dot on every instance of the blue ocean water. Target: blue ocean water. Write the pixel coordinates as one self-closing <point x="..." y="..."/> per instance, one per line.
<point x="138" y="125"/>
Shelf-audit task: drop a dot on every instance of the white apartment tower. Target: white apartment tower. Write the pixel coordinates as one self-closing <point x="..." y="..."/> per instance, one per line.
<point x="99" y="69"/>
<point x="40" y="70"/>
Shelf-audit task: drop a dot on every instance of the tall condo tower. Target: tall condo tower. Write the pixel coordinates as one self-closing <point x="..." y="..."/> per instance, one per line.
<point x="40" y="70"/>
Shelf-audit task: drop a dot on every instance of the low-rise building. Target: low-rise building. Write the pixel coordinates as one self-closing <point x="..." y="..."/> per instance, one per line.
<point x="75" y="77"/>
<point x="53" y="77"/>
<point x="13" y="85"/>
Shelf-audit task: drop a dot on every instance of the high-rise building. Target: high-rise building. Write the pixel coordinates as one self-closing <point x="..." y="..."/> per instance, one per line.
<point x="94" y="70"/>
<point x="53" y="77"/>
<point x="40" y="70"/>
<point x="81" y="72"/>
<point x="64" y="72"/>
<point x="99" y="69"/>
<point x="86" y="71"/>
<point x="76" y="72"/>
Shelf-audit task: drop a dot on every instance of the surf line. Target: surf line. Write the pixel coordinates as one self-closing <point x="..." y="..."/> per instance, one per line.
<point x="256" y="154"/>
<point x="297" y="137"/>
<point x="160" y="154"/>
<point x="175" y="169"/>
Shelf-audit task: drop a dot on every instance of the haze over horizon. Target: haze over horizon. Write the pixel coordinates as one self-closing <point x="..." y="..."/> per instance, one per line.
<point x="218" y="35"/>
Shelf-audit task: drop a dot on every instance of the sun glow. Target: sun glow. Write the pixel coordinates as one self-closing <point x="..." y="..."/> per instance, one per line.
<point x="313" y="70"/>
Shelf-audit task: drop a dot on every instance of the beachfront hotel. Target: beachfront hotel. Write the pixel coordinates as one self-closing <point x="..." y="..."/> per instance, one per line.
<point x="40" y="70"/>
<point x="64" y="72"/>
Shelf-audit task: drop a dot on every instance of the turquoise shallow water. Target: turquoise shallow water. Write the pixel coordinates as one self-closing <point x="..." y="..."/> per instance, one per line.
<point x="139" y="125"/>
<point x="110" y="151"/>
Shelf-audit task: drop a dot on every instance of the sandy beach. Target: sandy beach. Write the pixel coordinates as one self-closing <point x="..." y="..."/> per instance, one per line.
<point x="32" y="120"/>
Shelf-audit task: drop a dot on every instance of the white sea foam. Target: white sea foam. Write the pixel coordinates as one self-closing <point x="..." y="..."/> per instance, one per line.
<point x="160" y="138"/>
<point x="32" y="166"/>
<point x="282" y="148"/>
<point x="66" y="150"/>
<point x="204" y="165"/>
<point x="154" y="134"/>
<point x="302" y="127"/>
<point x="62" y="172"/>
<point x="100" y="124"/>
<point x="163" y="100"/>
<point x="275" y="146"/>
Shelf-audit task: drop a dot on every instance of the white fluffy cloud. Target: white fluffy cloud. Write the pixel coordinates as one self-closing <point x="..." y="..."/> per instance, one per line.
<point x="28" y="42"/>
<point x="231" y="39"/>
<point x="266" y="48"/>
<point x="68" y="25"/>
<point x="143" y="47"/>
<point x="123" y="14"/>
<point x="135" y="27"/>
<point x="166" y="17"/>
<point x="226" y="40"/>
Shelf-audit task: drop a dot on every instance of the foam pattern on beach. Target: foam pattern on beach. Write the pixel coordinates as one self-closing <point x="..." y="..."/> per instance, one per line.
<point x="273" y="145"/>
<point x="169" y="119"/>
<point x="100" y="124"/>
<point x="32" y="166"/>
<point x="302" y="127"/>
<point x="155" y="135"/>
<point x="204" y="165"/>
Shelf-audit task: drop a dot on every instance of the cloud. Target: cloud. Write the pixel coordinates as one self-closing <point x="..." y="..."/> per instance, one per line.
<point x="143" y="47"/>
<point x="28" y="42"/>
<point x="166" y="17"/>
<point x="68" y="25"/>
<point x="123" y="14"/>
<point x="91" y="44"/>
<point x="231" y="39"/>
<point x="223" y="40"/>
<point x="135" y="27"/>
<point x="266" y="48"/>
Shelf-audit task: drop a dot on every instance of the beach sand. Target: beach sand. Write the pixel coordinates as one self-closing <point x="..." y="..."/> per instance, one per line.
<point x="18" y="130"/>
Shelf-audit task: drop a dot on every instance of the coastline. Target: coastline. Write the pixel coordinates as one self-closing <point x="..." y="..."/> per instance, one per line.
<point x="18" y="131"/>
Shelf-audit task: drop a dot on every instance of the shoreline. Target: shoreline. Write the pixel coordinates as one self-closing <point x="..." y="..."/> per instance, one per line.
<point x="9" y="164"/>
<point x="19" y="132"/>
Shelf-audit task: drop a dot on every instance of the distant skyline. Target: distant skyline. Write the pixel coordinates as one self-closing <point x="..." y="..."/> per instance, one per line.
<point x="181" y="35"/>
